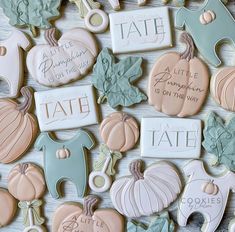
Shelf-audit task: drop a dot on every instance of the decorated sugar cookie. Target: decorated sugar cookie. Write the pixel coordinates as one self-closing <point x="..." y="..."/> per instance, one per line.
<point x="72" y="217"/>
<point x="140" y="30"/>
<point x="205" y="194"/>
<point x="18" y="127"/>
<point x="64" y="60"/>
<point x="27" y="13"/>
<point x="222" y="88"/>
<point x="65" y="160"/>
<point x="26" y="183"/>
<point x="96" y="20"/>
<point x="178" y="82"/>
<point x="203" y="23"/>
<point x="120" y="133"/>
<point x="8" y="207"/>
<point x="148" y="192"/>
<point x="167" y="138"/>
<point x="11" y="61"/>
<point x="66" y="108"/>
<point x="219" y="140"/>
<point x="159" y="223"/>
<point x="114" y="80"/>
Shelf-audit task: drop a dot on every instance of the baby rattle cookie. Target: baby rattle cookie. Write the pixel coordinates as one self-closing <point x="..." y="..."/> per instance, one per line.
<point x="148" y="192"/>
<point x="114" y="80"/>
<point x="8" y="207"/>
<point x="18" y="127"/>
<point x="65" y="160"/>
<point x="222" y="88"/>
<point x="219" y="140"/>
<point x="203" y="23"/>
<point x="62" y="61"/>
<point x="27" y="13"/>
<point x="72" y="217"/>
<point x="11" y="61"/>
<point x="26" y="183"/>
<point x="178" y="82"/>
<point x="205" y="194"/>
<point x="120" y="133"/>
<point x="96" y="20"/>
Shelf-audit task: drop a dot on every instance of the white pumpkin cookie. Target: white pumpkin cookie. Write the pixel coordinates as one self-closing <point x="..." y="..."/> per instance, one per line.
<point x="65" y="60"/>
<point x="143" y="194"/>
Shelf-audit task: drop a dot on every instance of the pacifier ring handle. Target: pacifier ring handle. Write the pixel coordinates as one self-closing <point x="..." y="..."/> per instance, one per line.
<point x="97" y="28"/>
<point x="107" y="182"/>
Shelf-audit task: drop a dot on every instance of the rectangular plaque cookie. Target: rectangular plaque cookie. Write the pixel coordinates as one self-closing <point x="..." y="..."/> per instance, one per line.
<point x="66" y="108"/>
<point x="140" y="30"/>
<point x="170" y="138"/>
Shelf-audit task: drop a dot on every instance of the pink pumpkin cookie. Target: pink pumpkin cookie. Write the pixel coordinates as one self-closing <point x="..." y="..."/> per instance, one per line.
<point x="71" y="217"/>
<point x="178" y="82"/>
<point x="26" y="183"/>
<point x="8" y="207"/>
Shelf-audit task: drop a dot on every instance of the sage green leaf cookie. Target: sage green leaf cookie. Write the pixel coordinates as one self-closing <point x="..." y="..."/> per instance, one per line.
<point x="114" y="80"/>
<point x="219" y="139"/>
<point x="29" y="13"/>
<point x="161" y="223"/>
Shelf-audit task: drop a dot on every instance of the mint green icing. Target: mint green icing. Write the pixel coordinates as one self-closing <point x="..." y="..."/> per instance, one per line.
<point x="73" y="168"/>
<point x="35" y="206"/>
<point x="207" y="36"/>
<point x="104" y="152"/>
<point x="34" y="13"/>
<point x="161" y="223"/>
<point x="219" y="139"/>
<point x="113" y="80"/>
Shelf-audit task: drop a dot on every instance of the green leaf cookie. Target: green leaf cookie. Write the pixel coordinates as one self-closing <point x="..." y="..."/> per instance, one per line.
<point x="219" y="139"/>
<point x="31" y="13"/>
<point x="160" y="224"/>
<point x="114" y="80"/>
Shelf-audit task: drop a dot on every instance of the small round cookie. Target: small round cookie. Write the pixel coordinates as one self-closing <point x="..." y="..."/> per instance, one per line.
<point x="119" y="131"/>
<point x="26" y="176"/>
<point x="222" y="88"/>
<point x="73" y="216"/>
<point x="8" y="207"/>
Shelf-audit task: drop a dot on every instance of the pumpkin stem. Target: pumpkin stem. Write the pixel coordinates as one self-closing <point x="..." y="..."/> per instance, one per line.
<point x="50" y="37"/>
<point x="89" y="205"/>
<point x="135" y="169"/>
<point x="125" y="117"/>
<point x="188" y="54"/>
<point x="23" y="167"/>
<point x="25" y="106"/>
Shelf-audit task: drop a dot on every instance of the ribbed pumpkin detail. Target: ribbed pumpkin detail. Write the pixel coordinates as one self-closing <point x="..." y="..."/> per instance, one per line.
<point x="7" y="206"/>
<point x="148" y="192"/>
<point x="26" y="182"/>
<point x="18" y="128"/>
<point x="119" y="131"/>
